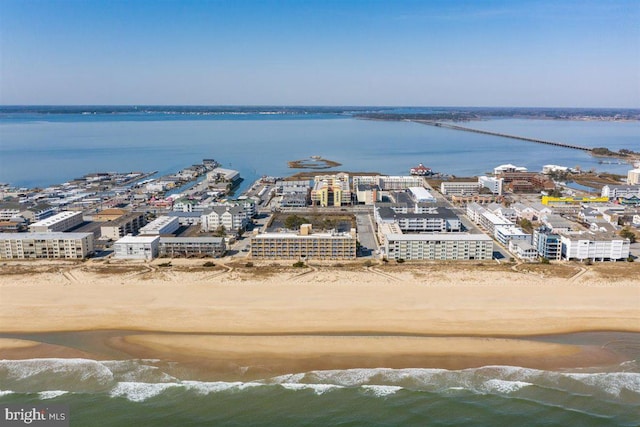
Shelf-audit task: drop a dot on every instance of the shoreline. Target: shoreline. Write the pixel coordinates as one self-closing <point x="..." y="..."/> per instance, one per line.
<point x="277" y="318"/>
<point x="255" y="356"/>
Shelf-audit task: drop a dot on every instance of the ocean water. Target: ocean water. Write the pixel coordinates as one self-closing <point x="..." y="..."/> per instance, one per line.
<point x="46" y="149"/>
<point x="152" y="393"/>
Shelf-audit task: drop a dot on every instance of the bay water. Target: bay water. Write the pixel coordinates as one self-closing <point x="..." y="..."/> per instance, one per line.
<point x="41" y="150"/>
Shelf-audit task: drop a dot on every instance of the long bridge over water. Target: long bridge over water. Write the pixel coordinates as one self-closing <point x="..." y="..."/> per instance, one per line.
<point x="503" y="135"/>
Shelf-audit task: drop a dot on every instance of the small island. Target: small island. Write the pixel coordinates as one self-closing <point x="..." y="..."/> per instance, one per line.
<point x="313" y="162"/>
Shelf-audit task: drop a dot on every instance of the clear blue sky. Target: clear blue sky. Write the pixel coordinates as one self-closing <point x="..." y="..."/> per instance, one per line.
<point x="583" y="53"/>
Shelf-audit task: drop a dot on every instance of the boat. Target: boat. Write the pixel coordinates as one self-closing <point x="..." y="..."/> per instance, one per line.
<point x="421" y="170"/>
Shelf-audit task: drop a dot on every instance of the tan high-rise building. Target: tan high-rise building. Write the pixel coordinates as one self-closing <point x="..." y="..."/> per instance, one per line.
<point x="331" y="190"/>
<point x="633" y="177"/>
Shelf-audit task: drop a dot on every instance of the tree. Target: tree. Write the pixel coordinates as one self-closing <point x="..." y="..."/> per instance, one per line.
<point x="526" y="225"/>
<point x="220" y="231"/>
<point x="293" y="222"/>
<point x="628" y="234"/>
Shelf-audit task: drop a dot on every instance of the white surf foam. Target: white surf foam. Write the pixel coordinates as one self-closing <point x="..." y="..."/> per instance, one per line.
<point x="317" y="388"/>
<point x="503" y="386"/>
<point x="205" y="388"/>
<point x="79" y="370"/>
<point x="612" y="383"/>
<point x="381" y="390"/>
<point x="5" y="392"/>
<point x="51" y="394"/>
<point x="139" y="392"/>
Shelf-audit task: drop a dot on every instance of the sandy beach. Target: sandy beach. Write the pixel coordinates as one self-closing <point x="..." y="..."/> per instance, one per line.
<point x="333" y="315"/>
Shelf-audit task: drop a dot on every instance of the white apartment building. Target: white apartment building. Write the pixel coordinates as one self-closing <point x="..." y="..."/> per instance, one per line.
<point x="475" y="211"/>
<point x="523" y="250"/>
<point x="49" y="245"/>
<point x="490" y="221"/>
<point x="504" y="212"/>
<point x="505" y="234"/>
<point x="437" y="246"/>
<point x="459" y="188"/>
<point x="594" y="246"/>
<point x="493" y="184"/>
<point x="508" y="168"/>
<point x="401" y="182"/>
<point x="161" y="225"/>
<point x="615" y="191"/>
<point x="231" y="218"/>
<point x="137" y="247"/>
<point x="62" y="221"/>
<point x="421" y="195"/>
<point x="441" y="220"/>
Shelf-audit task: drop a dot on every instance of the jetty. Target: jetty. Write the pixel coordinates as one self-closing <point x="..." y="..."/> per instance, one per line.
<point x="503" y="135"/>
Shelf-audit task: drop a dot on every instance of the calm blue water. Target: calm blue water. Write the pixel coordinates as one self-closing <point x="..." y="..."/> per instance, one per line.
<point x="41" y="150"/>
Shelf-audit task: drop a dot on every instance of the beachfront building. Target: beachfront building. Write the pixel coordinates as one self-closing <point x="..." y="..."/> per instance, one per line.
<point x="161" y="225"/>
<point x="232" y="218"/>
<point x="331" y="190"/>
<point x="437" y="246"/>
<point x="305" y="245"/>
<point x="594" y="246"/>
<point x="459" y="188"/>
<point x="523" y="250"/>
<point x="137" y="247"/>
<point x="62" y="221"/>
<point x="48" y="245"/>
<point x="125" y="224"/>
<point x="547" y="243"/>
<point x="192" y="247"/>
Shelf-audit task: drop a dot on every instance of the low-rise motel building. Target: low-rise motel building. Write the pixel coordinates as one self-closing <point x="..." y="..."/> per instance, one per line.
<point x="176" y="247"/>
<point x="51" y="245"/>
<point x="305" y="245"/>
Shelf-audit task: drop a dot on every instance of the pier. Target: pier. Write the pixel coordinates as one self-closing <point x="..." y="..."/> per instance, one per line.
<point x="503" y="135"/>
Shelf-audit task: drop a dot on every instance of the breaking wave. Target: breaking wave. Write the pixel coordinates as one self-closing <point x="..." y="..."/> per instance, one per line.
<point x="141" y="380"/>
